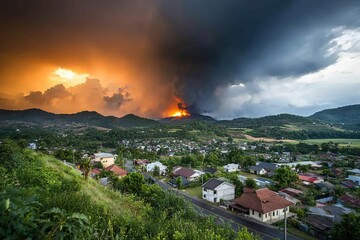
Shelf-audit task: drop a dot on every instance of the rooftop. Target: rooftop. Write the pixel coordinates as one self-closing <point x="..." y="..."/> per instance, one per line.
<point x="213" y="183"/>
<point x="262" y="200"/>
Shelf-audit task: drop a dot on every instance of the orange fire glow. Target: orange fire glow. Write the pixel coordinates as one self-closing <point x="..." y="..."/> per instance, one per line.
<point x="179" y="110"/>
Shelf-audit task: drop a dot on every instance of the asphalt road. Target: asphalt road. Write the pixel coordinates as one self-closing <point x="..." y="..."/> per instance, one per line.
<point x="236" y="221"/>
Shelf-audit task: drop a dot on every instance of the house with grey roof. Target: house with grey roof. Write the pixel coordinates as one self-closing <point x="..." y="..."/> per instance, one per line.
<point x="215" y="189"/>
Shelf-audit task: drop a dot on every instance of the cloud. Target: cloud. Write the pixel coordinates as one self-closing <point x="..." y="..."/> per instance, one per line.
<point x="90" y="95"/>
<point x="163" y="48"/>
<point x="117" y="99"/>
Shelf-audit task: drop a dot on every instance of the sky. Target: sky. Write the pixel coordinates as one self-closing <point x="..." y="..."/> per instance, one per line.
<point x="226" y="59"/>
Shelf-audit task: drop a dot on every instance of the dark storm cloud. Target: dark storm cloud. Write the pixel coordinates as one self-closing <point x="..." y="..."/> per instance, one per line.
<point x="197" y="46"/>
<point x="228" y="42"/>
<point x="117" y="99"/>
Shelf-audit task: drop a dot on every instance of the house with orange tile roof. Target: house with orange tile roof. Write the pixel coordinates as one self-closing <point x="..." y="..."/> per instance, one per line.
<point x="263" y="205"/>
<point x="117" y="170"/>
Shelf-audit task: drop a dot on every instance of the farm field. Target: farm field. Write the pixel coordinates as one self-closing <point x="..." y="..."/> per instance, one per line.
<point x="343" y="142"/>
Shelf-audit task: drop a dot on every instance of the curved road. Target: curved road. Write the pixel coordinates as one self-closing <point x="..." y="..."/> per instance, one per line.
<point x="236" y="221"/>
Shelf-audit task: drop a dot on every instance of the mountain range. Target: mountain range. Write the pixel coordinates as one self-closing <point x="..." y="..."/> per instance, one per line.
<point x="347" y="116"/>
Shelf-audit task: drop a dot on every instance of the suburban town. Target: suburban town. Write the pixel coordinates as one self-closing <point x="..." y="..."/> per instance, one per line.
<point x="180" y="120"/>
<point x="258" y="182"/>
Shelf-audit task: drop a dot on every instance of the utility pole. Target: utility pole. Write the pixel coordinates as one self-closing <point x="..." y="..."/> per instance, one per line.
<point x="285" y="224"/>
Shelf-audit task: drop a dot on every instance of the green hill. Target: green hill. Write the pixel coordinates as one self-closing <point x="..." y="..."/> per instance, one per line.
<point x="274" y="120"/>
<point x="347" y="115"/>
<point x="42" y="198"/>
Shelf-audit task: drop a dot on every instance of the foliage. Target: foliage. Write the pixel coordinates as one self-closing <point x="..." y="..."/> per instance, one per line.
<point x="179" y="182"/>
<point x="156" y="171"/>
<point x="285" y="175"/>
<point x="40" y="199"/>
<point x="239" y="187"/>
<point x="348" y="228"/>
<point x="86" y="166"/>
<point x="250" y="183"/>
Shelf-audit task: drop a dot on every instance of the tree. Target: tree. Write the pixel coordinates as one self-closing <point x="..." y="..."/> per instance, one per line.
<point x="156" y="171"/>
<point x="179" y="182"/>
<point x="250" y="183"/>
<point x="86" y="165"/>
<point x="284" y="175"/>
<point x="132" y="183"/>
<point x="239" y="187"/>
<point x="248" y="162"/>
<point x="348" y="228"/>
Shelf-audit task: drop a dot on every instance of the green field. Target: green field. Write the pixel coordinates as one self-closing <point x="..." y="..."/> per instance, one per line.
<point x="341" y="141"/>
<point x="195" y="191"/>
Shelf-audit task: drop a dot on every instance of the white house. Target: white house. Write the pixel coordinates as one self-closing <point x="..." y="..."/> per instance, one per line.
<point x="263" y="205"/>
<point x="231" y="167"/>
<point x="106" y="159"/>
<point x="258" y="170"/>
<point x="150" y="167"/>
<point x="214" y="190"/>
<point x="355" y="179"/>
<point x="32" y="146"/>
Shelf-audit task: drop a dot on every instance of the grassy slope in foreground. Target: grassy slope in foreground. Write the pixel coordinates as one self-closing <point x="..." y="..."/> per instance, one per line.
<point x="42" y="198"/>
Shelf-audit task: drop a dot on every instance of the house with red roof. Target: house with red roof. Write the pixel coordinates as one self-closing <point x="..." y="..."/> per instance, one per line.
<point x="263" y="205"/>
<point x="117" y="170"/>
<point x="187" y="173"/>
<point x="307" y="180"/>
<point x="95" y="172"/>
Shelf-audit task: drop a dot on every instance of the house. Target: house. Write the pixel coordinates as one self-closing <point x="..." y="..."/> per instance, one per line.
<point x="325" y="186"/>
<point x="184" y="181"/>
<point x="355" y="179"/>
<point x="210" y="170"/>
<point x="106" y="159"/>
<point x="292" y="192"/>
<point x="258" y="170"/>
<point x="320" y="225"/>
<point x="116" y="170"/>
<point x="141" y="162"/>
<point x="307" y="180"/>
<point x="268" y="167"/>
<point x="32" y="146"/>
<point x="187" y="173"/>
<point x="348" y="184"/>
<point x="151" y="167"/>
<point x="337" y="172"/>
<point x="95" y="172"/>
<point x="354" y="171"/>
<point x="263" y="205"/>
<point x="214" y="190"/>
<point x="231" y="167"/>
<point x="351" y="200"/>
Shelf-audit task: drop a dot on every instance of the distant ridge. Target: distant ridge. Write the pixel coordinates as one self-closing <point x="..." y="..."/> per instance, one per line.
<point x="193" y="117"/>
<point x="90" y="118"/>
<point x="349" y="115"/>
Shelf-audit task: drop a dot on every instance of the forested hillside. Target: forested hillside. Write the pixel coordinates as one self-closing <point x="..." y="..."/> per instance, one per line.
<point x="342" y="115"/>
<point x="42" y="198"/>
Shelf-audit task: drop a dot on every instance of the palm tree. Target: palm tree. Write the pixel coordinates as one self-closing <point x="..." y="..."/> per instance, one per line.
<point x="86" y="165"/>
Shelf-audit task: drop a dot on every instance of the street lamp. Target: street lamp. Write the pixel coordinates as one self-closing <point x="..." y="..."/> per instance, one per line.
<point x="285" y="223"/>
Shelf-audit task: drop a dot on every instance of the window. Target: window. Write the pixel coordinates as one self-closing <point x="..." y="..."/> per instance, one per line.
<point x="215" y="191"/>
<point x="273" y="213"/>
<point x="277" y="212"/>
<point x="253" y="212"/>
<point x="259" y="214"/>
<point x="215" y="199"/>
<point x="204" y="195"/>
